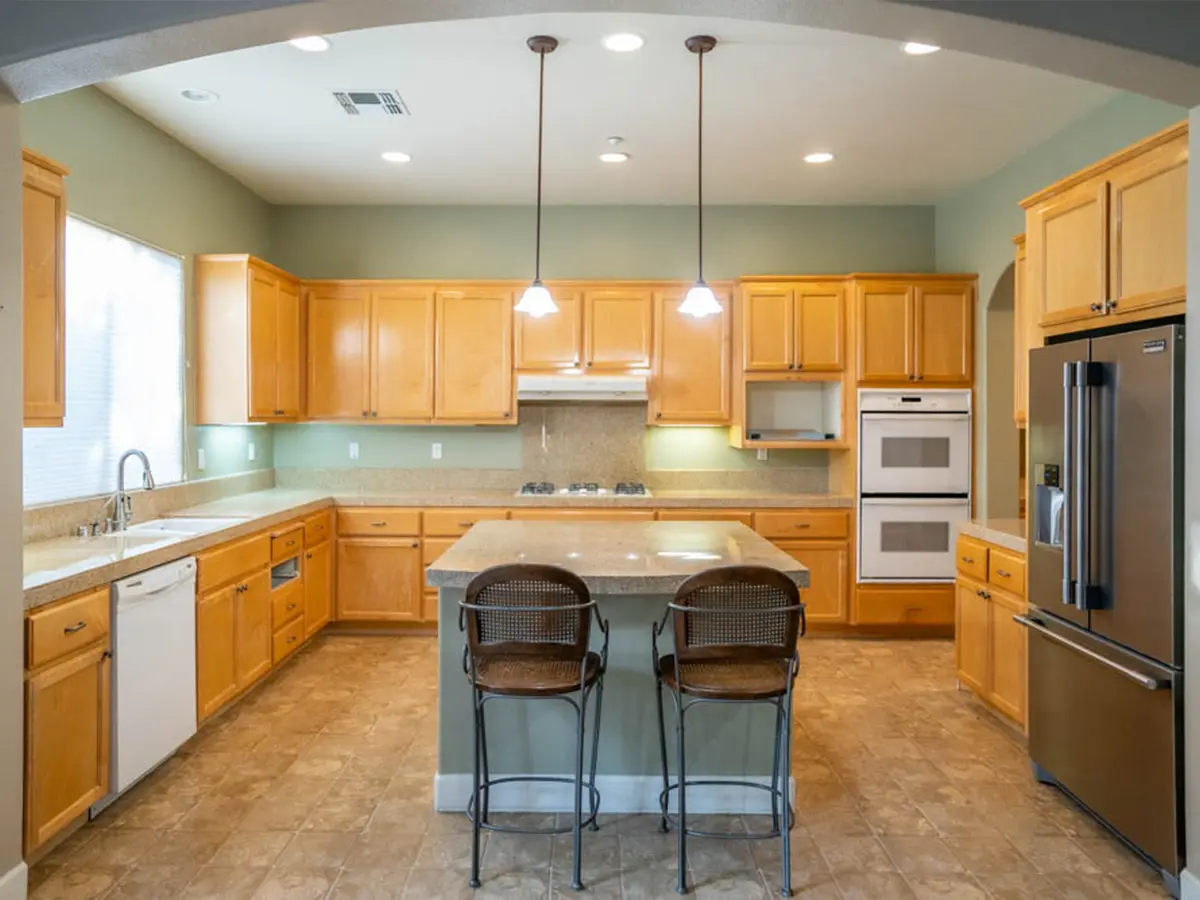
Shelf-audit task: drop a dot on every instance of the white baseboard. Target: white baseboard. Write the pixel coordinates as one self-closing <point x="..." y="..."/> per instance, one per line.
<point x="14" y="883"/>
<point x="618" y="794"/>
<point x="1189" y="886"/>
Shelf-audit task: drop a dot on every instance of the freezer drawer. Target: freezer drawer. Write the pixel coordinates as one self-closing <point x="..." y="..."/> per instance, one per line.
<point x="1106" y="725"/>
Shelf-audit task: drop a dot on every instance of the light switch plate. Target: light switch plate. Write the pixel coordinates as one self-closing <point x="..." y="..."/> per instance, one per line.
<point x="761" y="455"/>
<point x="437" y="450"/>
<point x="200" y="459"/>
<point x="251" y="451"/>
<point x="354" y="449"/>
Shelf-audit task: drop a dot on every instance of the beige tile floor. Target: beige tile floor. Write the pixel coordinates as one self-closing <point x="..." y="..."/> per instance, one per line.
<point x="318" y="785"/>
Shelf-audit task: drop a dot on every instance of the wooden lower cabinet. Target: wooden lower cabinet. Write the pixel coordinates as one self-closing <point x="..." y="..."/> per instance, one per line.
<point x="1009" y="656"/>
<point x="379" y="579"/>
<point x="67" y="729"/>
<point x="972" y="638"/>
<point x="826" y="599"/>
<point x="920" y="605"/>
<point x="252" y="629"/>
<point x="318" y="588"/>
<point x="216" y="667"/>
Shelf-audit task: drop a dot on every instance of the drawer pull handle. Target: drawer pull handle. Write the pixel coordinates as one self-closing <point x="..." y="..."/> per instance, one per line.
<point x="465" y="524"/>
<point x="1003" y="574"/>
<point x="308" y="556"/>
<point x="291" y="543"/>
<point x="379" y="524"/>
<point x="78" y="626"/>
<point x="802" y="525"/>
<point x="291" y="606"/>
<point x="415" y="545"/>
<point x="968" y="560"/>
<point x="292" y="639"/>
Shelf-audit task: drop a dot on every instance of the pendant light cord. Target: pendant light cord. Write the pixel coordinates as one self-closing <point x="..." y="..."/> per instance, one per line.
<point x="537" y="264"/>
<point x="700" y="174"/>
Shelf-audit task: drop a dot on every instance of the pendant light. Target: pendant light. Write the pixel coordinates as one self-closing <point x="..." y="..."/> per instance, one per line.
<point x="537" y="301"/>
<point x="700" y="300"/>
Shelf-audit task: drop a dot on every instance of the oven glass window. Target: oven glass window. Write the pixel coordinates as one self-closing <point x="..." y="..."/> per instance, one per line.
<point x="914" y="537"/>
<point x="914" y="452"/>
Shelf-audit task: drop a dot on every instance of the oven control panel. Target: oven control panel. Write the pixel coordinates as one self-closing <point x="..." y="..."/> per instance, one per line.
<point x="891" y="400"/>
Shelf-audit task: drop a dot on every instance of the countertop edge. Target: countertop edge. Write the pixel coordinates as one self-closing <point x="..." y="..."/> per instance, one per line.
<point x="995" y="536"/>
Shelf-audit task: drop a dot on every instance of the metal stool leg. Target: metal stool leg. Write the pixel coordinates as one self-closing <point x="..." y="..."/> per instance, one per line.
<point x="593" y="801"/>
<point x="786" y="834"/>
<point x="662" y="747"/>
<point x="475" y="824"/>
<point x="681" y="887"/>
<point x="487" y="774"/>
<point x="576" y="873"/>
<point x="775" y="768"/>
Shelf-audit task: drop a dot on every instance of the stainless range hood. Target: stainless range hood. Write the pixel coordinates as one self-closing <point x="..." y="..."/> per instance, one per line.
<point x="581" y="388"/>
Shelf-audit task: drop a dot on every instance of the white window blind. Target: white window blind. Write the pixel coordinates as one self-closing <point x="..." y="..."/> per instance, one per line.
<point x="124" y="370"/>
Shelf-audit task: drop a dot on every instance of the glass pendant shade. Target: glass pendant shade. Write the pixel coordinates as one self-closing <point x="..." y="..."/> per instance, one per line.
<point x="700" y="302"/>
<point x="537" y="301"/>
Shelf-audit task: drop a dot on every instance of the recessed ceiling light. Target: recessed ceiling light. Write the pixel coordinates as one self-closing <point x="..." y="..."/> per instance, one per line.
<point x="916" y="48"/>
<point x="614" y="157"/>
<point x="821" y="156"/>
<point x="313" y="43"/>
<point x="395" y="156"/>
<point x="623" y="42"/>
<point x="199" y="95"/>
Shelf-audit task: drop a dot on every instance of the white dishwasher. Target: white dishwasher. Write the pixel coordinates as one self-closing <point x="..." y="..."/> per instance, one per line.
<point x="154" y="670"/>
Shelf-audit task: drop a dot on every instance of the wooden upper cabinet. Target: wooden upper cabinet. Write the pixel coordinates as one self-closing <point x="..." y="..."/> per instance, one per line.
<point x="339" y="324"/>
<point x="885" y="331"/>
<point x="1147" y="259"/>
<point x="402" y="328"/>
<point x="819" y="327"/>
<point x="690" y="384"/>
<point x="768" y="331"/>
<point x="617" y="329"/>
<point x="43" y="235"/>
<point x="1067" y="244"/>
<point x="248" y="347"/>
<point x="474" y="356"/>
<point x="551" y="342"/>
<point x="943" y="326"/>
<point x="1021" y="344"/>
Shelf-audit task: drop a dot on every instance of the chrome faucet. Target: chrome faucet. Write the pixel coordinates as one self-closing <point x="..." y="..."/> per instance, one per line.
<point x="124" y="505"/>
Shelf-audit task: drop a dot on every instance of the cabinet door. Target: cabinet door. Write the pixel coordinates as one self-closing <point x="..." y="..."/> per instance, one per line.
<point x="402" y="354"/>
<point x="263" y="344"/>
<point x="885" y="332"/>
<point x="216" y="664"/>
<point x="474" y="356"/>
<point x="820" y="330"/>
<point x="827" y="597"/>
<point x="1148" y="229"/>
<point x="690" y="383"/>
<point x="252" y="629"/>
<point x="945" y="335"/>
<point x="66" y="743"/>
<point x="318" y="588"/>
<point x="1067" y="242"/>
<point x="287" y="351"/>
<point x="1020" y="336"/>
<point x="338" y="352"/>
<point x="1008" y="657"/>
<point x="379" y="579"/>
<point x="616" y="329"/>
<point x="552" y="342"/>
<point x="43" y="235"/>
<point x="971" y="640"/>
<point x="767" y="328"/>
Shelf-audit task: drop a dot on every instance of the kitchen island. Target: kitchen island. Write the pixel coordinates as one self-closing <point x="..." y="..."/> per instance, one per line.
<point x="632" y="570"/>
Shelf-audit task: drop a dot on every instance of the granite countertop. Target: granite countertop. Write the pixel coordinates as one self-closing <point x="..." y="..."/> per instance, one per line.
<point x="1006" y="533"/>
<point x="63" y="566"/>
<point x="612" y="558"/>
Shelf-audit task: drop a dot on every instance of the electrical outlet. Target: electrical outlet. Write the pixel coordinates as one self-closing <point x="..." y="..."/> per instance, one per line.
<point x="354" y="449"/>
<point x="200" y="459"/>
<point x="251" y="451"/>
<point x="761" y="456"/>
<point x="437" y="450"/>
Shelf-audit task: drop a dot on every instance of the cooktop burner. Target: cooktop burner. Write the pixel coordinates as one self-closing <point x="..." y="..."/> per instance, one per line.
<point x="631" y="488"/>
<point x="536" y="487"/>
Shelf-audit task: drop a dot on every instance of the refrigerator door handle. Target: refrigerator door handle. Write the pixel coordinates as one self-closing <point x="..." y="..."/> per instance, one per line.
<point x="1083" y="484"/>
<point x="1149" y="682"/>
<point x="1068" y="520"/>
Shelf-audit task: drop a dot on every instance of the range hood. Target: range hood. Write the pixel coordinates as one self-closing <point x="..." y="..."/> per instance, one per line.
<point x="581" y="388"/>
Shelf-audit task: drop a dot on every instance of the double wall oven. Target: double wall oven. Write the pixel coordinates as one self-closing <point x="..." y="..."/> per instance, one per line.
<point x="914" y="482"/>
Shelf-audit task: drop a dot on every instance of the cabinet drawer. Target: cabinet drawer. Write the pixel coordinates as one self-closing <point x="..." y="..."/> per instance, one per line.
<point x="455" y="522"/>
<point x="1006" y="570"/>
<point x="971" y="557"/>
<point x="287" y="640"/>
<point x="707" y="515"/>
<point x="916" y="606"/>
<point x="821" y="524"/>
<point x="231" y="561"/>
<point x="287" y="602"/>
<point x="318" y="528"/>
<point x="583" y="515"/>
<point x="378" y="522"/>
<point x="69" y="625"/>
<point x="287" y="544"/>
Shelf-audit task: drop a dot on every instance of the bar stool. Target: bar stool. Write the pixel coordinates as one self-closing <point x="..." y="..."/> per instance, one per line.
<point x="735" y="630"/>
<point x="528" y="629"/>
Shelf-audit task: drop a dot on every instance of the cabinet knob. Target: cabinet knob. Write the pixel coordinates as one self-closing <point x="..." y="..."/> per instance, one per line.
<point x="1095" y="307"/>
<point x="509" y="415"/>
<point x="589" y="365"/>
<point x="292" y="639"/>
<point x="374" y="414"/>
<point x="415" y="545"/>
<point x="364" y="415"/>
<point x="658" y="415"/>
<point x="308" y="556"/>
<point x="291" y="606"/>
<point x="799" y="365"/>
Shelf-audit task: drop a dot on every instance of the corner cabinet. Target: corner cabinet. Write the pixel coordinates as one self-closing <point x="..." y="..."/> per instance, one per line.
<point x="474" y="358"/>
<point x="248" y="346"/>
<point x="919" y="330"/>
<point x="691" y="364"/>
<point x="43" y="236"/>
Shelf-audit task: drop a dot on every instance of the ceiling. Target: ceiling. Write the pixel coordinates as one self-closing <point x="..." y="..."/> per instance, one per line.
<point x="904" y="129"/>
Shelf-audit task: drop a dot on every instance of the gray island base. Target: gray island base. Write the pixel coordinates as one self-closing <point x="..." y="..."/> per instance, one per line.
<point x="632" y="570"/>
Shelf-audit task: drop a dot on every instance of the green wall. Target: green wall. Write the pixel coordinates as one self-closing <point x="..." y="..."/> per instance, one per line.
<point x="973" y="233"/>
<point x="129" y="176"/>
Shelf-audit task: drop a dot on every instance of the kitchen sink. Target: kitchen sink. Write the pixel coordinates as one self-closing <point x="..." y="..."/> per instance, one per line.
<point x="181" y="527"/>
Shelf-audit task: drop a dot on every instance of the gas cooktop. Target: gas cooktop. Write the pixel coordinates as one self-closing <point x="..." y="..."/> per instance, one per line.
<point x="584" y="489"/>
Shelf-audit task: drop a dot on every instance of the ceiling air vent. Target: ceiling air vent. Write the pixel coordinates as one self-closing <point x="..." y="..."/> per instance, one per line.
<point x="371" y="103"/>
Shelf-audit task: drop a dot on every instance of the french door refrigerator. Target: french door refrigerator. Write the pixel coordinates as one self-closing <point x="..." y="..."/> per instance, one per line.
<point x="1106" y="569"/>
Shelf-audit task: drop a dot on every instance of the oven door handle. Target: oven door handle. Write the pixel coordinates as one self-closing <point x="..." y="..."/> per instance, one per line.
<point x="1149" y="682"/>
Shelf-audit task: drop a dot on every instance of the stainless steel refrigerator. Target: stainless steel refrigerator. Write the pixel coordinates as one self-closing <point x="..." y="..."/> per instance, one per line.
<point x="1106" y="587"/>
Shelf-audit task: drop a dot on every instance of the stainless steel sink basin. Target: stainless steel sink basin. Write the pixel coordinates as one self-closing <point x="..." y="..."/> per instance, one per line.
<point x="181" y="527"/>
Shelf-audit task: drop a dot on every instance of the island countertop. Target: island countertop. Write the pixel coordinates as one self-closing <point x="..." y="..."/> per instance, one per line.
<point x="612" y="557"/>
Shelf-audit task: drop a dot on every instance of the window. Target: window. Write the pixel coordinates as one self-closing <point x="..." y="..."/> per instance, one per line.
<point x="124" y="370"/>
